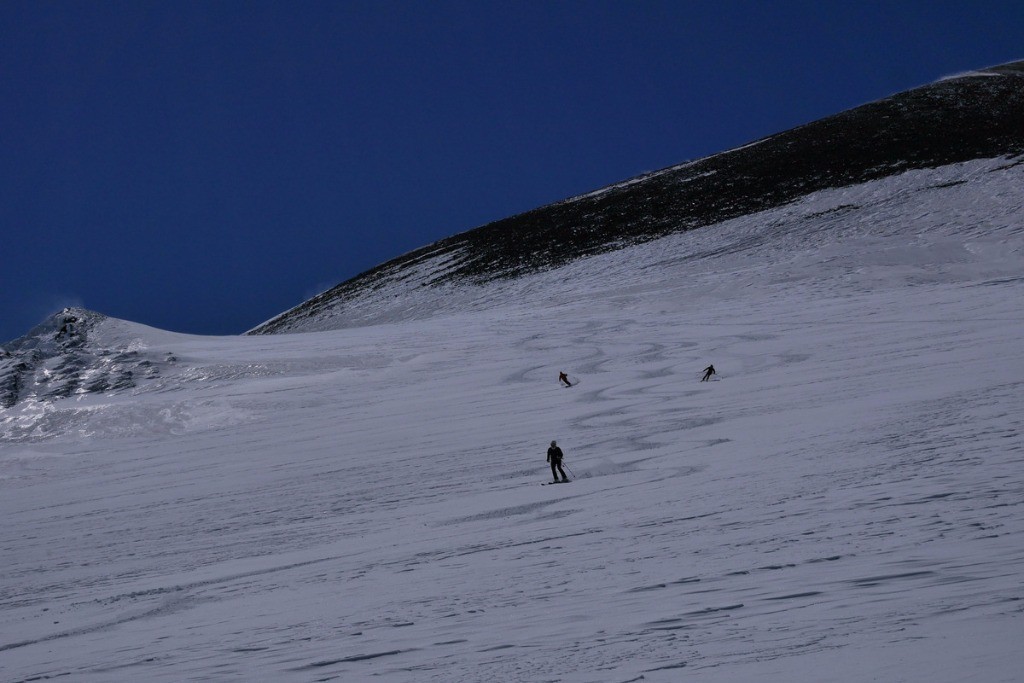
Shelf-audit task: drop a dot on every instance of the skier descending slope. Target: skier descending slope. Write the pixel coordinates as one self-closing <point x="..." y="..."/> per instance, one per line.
<point x="562" y="377"/>
<point x="555" y="458"/>
<point x="708" y="371"/>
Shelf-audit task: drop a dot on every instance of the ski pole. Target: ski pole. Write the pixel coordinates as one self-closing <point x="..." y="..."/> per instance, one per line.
<point x="568" y="470"/>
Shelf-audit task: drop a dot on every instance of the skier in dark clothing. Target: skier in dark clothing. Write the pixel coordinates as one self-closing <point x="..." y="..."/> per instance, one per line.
<point x="708" y="371"/>
<point x="555" y="458"/>
<point x="562" y="377"/>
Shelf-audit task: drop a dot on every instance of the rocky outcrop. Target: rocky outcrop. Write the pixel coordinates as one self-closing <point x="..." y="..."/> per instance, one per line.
<point x="59" y="358"/>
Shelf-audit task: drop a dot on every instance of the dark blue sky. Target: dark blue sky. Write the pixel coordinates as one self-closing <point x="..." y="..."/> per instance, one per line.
<point x="203" y="166"/>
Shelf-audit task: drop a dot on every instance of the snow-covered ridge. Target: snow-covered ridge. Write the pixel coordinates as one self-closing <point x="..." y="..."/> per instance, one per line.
<point x="81" y="374"/>
<point x="958" y="224"/>
<point x="956" y="204"/>
<point x="943" y="123"/>
<point x="76" y="352"/>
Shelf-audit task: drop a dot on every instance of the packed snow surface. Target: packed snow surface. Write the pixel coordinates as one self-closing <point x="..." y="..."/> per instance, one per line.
<point x="844" y="501"/>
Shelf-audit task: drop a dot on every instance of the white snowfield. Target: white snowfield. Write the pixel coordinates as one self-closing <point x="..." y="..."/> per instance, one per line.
<point x="844" y="501"/>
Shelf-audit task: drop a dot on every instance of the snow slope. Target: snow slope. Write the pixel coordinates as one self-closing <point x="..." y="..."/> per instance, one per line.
<point x="845" y="502"/>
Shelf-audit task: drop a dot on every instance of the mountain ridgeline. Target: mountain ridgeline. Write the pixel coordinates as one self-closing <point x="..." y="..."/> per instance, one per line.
<point x="973" y="116"/>
<point x="61" y="357"/>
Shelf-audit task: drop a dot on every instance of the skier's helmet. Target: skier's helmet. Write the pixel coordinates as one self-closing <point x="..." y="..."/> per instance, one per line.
<point x="553" y="444"/>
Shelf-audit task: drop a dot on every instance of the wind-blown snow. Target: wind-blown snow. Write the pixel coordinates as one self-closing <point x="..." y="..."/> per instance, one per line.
<point x="845" y="502"/>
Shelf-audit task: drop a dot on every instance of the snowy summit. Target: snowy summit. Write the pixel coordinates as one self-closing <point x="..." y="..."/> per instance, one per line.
<point x="360" y="499"/>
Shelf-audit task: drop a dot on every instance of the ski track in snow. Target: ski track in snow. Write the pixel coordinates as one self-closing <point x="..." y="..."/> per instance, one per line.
<point x="844" y="502"/>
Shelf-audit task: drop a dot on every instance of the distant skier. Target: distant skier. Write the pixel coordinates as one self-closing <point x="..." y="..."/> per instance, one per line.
<point x="555" y="458"/>
<point x="708" y="371"/>
<point x="562" y="377"/>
